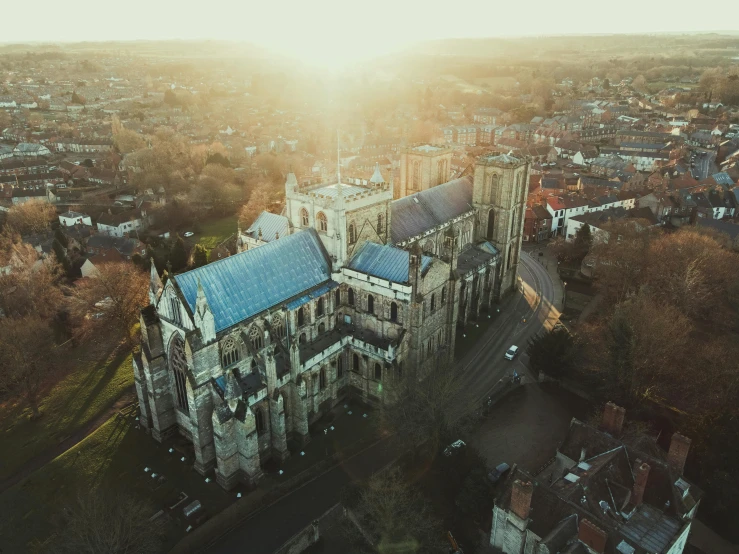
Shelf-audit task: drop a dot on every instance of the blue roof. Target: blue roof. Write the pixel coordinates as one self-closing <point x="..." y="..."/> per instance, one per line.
<point x="321" y="290"/>
<point x="241" y="286"/>
<point x="385" y="262"/>
<point x="270" y="224"/>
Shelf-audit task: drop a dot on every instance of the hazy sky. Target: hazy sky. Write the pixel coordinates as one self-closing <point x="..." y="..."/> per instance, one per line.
<point x="332" y="32"/>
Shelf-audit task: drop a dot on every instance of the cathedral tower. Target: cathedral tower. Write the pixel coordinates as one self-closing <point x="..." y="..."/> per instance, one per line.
<point x="501" y="185"/>
<point x="423" y="167"/>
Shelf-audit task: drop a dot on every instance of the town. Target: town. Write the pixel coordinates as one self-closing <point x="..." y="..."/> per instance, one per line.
<point x="480" y="297"/>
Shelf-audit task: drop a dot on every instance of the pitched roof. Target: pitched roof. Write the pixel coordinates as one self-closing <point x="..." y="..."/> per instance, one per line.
<point x="270" y="224"/>
<point x="384" y="262"/>
<point x="248" y="283"/>
<point x="416" y="214"/>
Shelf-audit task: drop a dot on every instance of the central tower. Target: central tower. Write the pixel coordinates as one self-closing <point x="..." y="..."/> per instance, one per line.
<point x="501" y="185"/>
<point x="423" y="167"/>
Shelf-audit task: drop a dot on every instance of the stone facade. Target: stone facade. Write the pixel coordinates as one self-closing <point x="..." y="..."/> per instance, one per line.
<point x="423" y="167"/>
<point x="241" y="389"/>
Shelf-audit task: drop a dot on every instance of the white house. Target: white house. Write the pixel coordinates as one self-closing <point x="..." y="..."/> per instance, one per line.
<point x="31" y="150"/>
<point x="70" y="219"/>
<point x="119" y="225"/>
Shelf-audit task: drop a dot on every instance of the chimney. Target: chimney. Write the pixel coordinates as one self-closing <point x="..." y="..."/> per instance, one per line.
<point x="678" y="453"/>
<point x="521" y="498"/>
<point x="591" y="536"/>
<point x="641" y="474"/>
<point x="613" y="419"/>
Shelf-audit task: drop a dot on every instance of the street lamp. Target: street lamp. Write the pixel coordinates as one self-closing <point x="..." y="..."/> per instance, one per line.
<point x="564" y="295"/>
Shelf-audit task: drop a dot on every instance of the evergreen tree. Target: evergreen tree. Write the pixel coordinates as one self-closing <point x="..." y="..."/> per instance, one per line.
<point x="61" y="237"/>
<point x="583" y="241"/>
<point x="178" y="255"/>
<point x="200" y="256"/>
<point x="552" y="352"/>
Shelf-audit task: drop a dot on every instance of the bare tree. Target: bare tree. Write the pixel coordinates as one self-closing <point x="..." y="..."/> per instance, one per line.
<point x="27" y="357"/>
<point x="258" y="202"/>
<point x="31" y="217"/>
<point x="98" y="523"/>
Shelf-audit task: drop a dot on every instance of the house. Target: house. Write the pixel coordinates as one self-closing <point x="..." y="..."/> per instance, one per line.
<point x="70" y="219"/>
<point x="35" y="194"/>
<point x="537" y="225"/>
<point x="90" y="267"/>
<point x="103" y="245"/>
<point x="31" y="150"/>
<point x="597" y="495"/>
<point x="119" y="224"/>
<point x="597" y="219"/>
<point x="608" y="165"/>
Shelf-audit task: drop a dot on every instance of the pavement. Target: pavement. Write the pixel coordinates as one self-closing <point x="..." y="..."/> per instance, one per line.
<point x="705" y="166"/>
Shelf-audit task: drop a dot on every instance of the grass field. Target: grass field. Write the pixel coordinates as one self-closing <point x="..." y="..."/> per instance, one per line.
<point x="214" y="232"/>
<point x="96" y="382"/>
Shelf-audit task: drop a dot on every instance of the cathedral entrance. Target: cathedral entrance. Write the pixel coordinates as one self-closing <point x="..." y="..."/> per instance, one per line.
<point x="491" y="225"/>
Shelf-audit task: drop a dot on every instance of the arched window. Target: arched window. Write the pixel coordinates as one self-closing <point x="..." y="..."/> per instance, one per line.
<point x="443" y="295"/>
<point x="491" y="225"/>
<point x="493" y="189"/>
<point x="301" y="316"/>
<point x="302" y="338"/>
<point x="393" y="312"/>
<point x="278" y="327"/>
<point x="230" y="352"/>
<point x="338" y="298"/>
<point x="303" y="217"/>
<point x="259" y="420"/>
<point x="380" y="224"/>
<point x="433" y="302"/>
<point x="416" y="182"/>
<point x="355" y="362"/>
<point x="351" y="297"/>
<point x="319" y="307"/>
<point x="322" y="327"/>
<point x="178" y="365"/>
<point x="256" y="337"/>
<point x="370" y="303"/>
<point x="339" y="367"/>
<point x="322" y="222"/>
<point x="352" y="234"/>
<point x="322" y="378"/>
<point x="378" y="371"/>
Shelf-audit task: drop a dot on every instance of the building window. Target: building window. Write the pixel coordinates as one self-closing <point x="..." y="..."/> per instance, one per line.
<point x="231" y="352"/>
<point x="352" y="234"/>
<point x="355" y="362"/>
<point x="278" y="327"/>
<point x="351" y="297"/>
<point x="301" y="316"/>
<point x="178" y="366"/>
<point x="322" y="222"/>
<point x="256" y="338"/>
<point x="322" y="327"/>
<point x="322" y="378"/>
<point x="319" y="307"/>
<point x="175" y="305"/>
<point x="302" y="338"/>
<point x="259" y="419"/>
<point x="339" y="367"/>
<point x="370" y="304"/>
<point x="393" y="312"/>
<point x="304" y="217"/>
<point x="338" y="297"/>
<point x="380" y="224"/>
<point x="378" y="372"/>
<point x="433" y="302"/>
<point x="443" y="295"/>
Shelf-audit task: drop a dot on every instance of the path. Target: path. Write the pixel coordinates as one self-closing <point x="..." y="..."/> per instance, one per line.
<point x="37" y="462"/>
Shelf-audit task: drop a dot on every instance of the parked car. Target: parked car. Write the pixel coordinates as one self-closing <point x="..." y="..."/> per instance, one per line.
<point x="188" y="234"/>
<point x="512" y="352"/>
<point x="500" y="470"/>
<point x="454" y="447"/>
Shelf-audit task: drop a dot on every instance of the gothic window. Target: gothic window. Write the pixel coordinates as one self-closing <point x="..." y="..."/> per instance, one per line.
<point x="352" y="234"/>
<point x="301" y="316"/>
<point x="178" y="365"/>
<point x="322" y="327"/>
<point x="355" y="362"/>
<point x="380" y="224"/>
<point x="302" y="338"/>
<point x="378" y="371"/>
<point x="278" y="327"/>
<point x="491" y="225"/>
<point x="339" y="367"/>
<point x="230" y="352"/>
<point x="441" y="174"/>
<point x="322" y="378"/>
<point x="319" y="307"/>
<point x="428" y="348"/>
<point x="416" y="182"/>
<point x="433" y="302"/>
<point x="259" y="420"/>
<point x="338" y="298"/>
<point x="175" y="305"/>
<point x="303" y="217"/>
<point x="322" y="222"/>
<point x="438" y="338"/>
<point x="393" y="312"/>
<point x="493" y="188"/>
<point x="510" y="257"/>
<point x="256" y="337"/>
<point x="370" y="304"/>
<point x="443" y="295"/>
<point x="351" y="297"/>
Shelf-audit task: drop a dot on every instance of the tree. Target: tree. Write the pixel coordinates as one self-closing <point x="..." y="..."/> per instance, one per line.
<point x="640" y="83"/>
<point x="258" y="202"/>
<point x="583" y="242"/>
<point x="178" y="255"/>
<point x="104" y="523"/>
<point x="126" y="140"/>
<point x="114" y="295"/>
<point x="31" y="217"/>
<point x="27" y="357"/>
<point x="61" y="237"/>
<point x="200" y="256"/>
<point x="553" y="352"/>
<point x="32" y="287"/>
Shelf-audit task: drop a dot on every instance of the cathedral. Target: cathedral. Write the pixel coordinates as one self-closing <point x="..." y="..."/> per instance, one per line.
<point x="352" y="288"/>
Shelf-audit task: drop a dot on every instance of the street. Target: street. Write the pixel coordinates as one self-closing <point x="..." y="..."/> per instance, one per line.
<point x="705" y="166"/>
<point x="523" y="314"/>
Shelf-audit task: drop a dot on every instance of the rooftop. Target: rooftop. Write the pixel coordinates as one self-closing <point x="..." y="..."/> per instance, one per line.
<point x="385" y="262"/>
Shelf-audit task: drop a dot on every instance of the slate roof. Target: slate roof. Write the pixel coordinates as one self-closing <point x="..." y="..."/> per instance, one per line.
<point x="271" y="224"/>
<point x="419" y="212"/>
<point x="475" y="256"/>
<point x="385" y="262"/>
<point x="248" y="283"/>
<point x="730" y="229"/>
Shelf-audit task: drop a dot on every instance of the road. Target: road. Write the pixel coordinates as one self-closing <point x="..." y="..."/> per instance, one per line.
<point x="705" y="166"/>
<point x="483" y="368"/>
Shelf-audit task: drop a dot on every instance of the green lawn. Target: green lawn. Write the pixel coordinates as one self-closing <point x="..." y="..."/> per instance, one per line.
<point x="90" y="389"/>
<point x="214" y="232"/>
